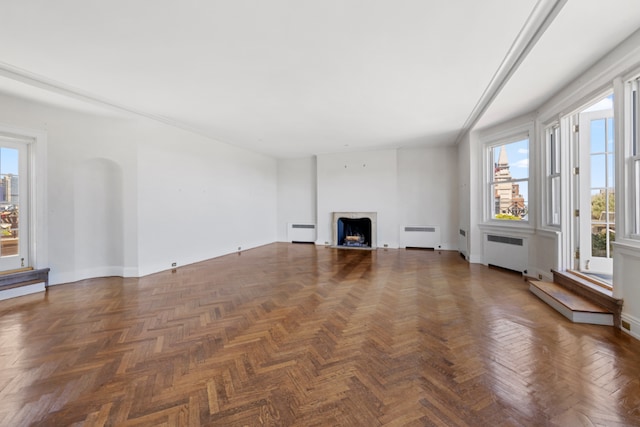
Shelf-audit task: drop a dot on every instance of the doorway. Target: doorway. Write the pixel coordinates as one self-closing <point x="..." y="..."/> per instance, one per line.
<point x="14" y="198"/>
<point x="595" y="190"/>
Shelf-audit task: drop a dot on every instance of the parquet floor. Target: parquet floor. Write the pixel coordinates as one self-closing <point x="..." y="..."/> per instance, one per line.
<point x="298" y="335"/>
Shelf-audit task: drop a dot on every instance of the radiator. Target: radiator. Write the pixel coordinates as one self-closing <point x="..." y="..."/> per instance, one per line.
<point x="420" y="236"/>
<point x="301" y="232"/>
<point x="506" y="252"/>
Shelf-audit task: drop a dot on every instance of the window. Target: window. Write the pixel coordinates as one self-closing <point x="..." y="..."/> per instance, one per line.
<point x="635" y="154"/>
<point x="509" y="180"/>
<point x="553" y="175"/>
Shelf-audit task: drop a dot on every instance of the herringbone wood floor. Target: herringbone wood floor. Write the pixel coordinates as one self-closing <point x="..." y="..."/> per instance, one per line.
<point x="311" y="336"/>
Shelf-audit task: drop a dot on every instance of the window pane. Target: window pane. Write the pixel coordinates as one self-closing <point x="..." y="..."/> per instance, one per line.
<point x="610" y="170"/>
<point x="554" y="201"/>
<point x="510" y="200"/>
<point x="598" y="177"/>
<point x="610" y="141"/>
<point x="598" y="134"/>
<point x="554" y="151"/>
<point x="634" y="122"/>
<point x="520" y="203"/>
<point x="510" y="162"/>
<point x="637" y="196"/>
<point x="9" y="201"/>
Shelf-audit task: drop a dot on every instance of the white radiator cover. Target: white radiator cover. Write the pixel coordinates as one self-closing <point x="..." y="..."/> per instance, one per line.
<point x="420" y="236"/>
<point x="301" y="232"/>
<point x="506" y="251"/>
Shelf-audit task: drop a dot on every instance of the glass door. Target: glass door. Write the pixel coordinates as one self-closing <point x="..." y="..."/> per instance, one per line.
<point x="597" y="189"/>
<point x="14" y="229"/>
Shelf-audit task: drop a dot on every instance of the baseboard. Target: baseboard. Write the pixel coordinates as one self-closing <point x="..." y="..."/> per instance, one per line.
<point x="546" y="276"/>
<point x="57" y="278"/>
<point x="22" y="291"/>
<point x="474" y="259"/>
<point x="633" y="323"/>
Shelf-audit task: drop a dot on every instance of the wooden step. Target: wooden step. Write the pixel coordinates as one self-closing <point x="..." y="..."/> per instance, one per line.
<point x="574" y="307"/>
<point x="596" y="294"/>
<point x="24" y="277"/>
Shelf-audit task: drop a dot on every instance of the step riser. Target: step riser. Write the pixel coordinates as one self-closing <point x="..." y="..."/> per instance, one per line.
<point x="574" y="284"/>
<point x="574" y="316"/>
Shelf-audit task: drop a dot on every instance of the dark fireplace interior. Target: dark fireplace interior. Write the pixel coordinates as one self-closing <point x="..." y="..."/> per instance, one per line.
<point x="354" y="232"/>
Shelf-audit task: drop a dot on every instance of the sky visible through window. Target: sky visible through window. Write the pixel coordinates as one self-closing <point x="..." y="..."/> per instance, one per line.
<point x="8" y="161"/>
<point x="518" y="154"/>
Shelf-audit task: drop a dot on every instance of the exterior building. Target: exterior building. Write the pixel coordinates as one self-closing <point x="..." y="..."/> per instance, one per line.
<point x="507" y="197"/>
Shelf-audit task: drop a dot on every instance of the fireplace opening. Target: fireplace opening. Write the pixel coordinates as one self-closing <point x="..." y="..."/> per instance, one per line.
<point x="354" y="232"/>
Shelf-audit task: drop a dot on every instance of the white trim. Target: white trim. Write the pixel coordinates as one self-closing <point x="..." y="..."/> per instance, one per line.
<point x="594" y="81"/>
<point x="22" y="291"/>
<point x="507" y="228"/>
<point x="634" y="324"/>
<point x="42" y="82"/>
<point x="542" y="15"/>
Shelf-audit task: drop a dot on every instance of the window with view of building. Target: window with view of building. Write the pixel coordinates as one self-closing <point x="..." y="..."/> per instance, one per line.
<point x="509" y="180"/>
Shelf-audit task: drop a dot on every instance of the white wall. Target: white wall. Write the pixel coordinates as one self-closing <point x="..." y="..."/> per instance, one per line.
<point x="127" y="195"/>
<point x="626" y="270"/>
<point x="464" y="194"/>
<point x="296" y="193"/>
<point x="199" y="199"/>
<point x="364" y="181"/>
<point x="74" y="140"/>
<point x="428" y="190"/>
<point x="99" y="218"/>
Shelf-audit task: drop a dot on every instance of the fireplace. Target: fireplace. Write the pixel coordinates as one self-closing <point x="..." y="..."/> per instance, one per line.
<point x="354" y="230"/>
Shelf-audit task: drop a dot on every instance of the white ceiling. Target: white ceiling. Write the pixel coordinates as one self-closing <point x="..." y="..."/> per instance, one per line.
<point x="297" y="77"/>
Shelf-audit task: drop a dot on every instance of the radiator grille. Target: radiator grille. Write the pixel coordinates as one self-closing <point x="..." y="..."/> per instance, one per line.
<point x="506" y="240"/>
<point x="421" y="229"/>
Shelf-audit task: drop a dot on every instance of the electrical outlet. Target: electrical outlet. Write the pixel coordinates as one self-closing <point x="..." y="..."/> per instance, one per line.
<point x="385" y="245"/>
<point x="326" y="243"/>
<point x="539" y="276"/>
<point x="626" y="325"/>
<point x="174" y="264"/>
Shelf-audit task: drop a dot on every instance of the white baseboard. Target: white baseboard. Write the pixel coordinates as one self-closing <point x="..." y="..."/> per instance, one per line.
<point x="21" y="291"/>
<point x="634" y="325"/>
<point x="475" y="259"/>
<point x="546" y="276"/>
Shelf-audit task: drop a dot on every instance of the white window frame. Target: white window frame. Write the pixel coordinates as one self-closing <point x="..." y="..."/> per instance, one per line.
<point x="553" y="171"/>
<point x="490" y="141"/>
<point x="632" y="150"/>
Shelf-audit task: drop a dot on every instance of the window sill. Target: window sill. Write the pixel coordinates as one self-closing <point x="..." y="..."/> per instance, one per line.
<point x="630" y="244"/>
<point x="500" y="226"/>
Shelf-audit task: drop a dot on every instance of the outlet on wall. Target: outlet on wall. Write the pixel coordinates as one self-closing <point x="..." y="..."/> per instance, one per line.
<point x="174" y="264"/>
